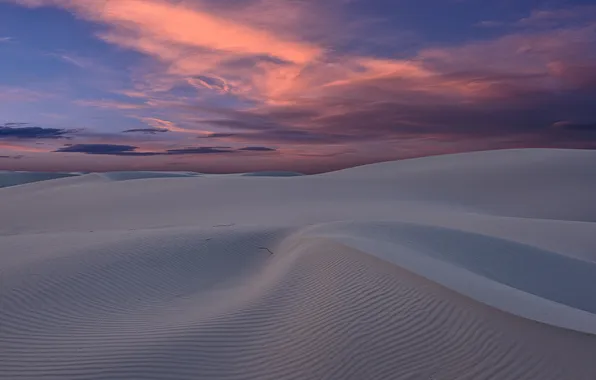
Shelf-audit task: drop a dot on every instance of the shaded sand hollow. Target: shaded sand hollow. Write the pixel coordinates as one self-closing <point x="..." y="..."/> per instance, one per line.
<point x="470" y="266"/>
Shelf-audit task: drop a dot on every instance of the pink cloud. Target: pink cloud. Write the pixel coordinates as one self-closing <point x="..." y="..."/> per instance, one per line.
<point x="164" y="27"/>
<point x="201" y="44"/>
<point x="301" y="91"/>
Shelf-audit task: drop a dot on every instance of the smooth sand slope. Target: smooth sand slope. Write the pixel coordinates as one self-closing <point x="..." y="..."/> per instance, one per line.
<point x="470" y="266"/>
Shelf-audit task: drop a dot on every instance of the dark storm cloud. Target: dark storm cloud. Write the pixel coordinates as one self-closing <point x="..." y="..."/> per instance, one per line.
<point x="151" y="131"/>
<point x="20" y="131"/>
<point x="17" y="157"/>
<point x="258" y="149"/>
<point x="107" y="149"/>
<point x="131" y="151"/>
<point x="217" y="135"/>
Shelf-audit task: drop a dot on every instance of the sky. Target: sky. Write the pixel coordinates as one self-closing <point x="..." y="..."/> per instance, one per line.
<point x="221" y="86"/>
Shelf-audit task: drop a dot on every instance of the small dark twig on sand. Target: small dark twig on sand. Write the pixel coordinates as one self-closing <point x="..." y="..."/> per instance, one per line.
<point x="267" y="249"/>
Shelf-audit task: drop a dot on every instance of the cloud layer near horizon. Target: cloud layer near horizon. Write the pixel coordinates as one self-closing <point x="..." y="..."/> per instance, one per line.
<point x="299" y="77"/>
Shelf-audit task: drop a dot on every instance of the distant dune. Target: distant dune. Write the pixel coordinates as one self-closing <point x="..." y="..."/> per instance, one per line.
<point x="470" y="266"/>
<point x="272" y="174"/>
<point x="127" y="176"/>
<point x="8" y="178"/>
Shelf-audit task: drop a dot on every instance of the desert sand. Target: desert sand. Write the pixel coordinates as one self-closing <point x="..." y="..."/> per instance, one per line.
<point x="470" y="266"/>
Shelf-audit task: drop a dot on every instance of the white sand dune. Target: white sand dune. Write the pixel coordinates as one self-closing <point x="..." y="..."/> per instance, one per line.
<point x="468" y="266"/>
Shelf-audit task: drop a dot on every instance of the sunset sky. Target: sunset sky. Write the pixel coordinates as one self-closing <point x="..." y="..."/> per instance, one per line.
<point x="302" y="85"/>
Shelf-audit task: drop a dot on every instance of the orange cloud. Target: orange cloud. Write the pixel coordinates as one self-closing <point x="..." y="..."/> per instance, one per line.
<point x="193" y="41"/>
<point x="197" y="42"/>
<point x="186" y="26"/>
<point x="166" y="23"/>
<point x="249" y="53"/>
